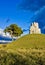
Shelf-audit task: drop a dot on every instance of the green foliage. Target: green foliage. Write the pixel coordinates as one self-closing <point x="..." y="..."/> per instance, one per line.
<point x="14" y="30"/>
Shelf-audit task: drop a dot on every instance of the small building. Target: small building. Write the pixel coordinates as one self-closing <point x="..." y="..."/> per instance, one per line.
<point x="34" y="29"/>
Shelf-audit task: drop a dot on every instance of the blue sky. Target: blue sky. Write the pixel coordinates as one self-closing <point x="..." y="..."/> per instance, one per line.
<point x="22" y="13"/>
<point x="10" y="9"/>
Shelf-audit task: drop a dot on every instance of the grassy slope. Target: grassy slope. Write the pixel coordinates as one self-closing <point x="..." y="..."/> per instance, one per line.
<point x="24" y="56"/>
<point x="28" y="41"/>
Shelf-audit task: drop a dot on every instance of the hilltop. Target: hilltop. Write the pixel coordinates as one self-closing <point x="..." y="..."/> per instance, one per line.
<point x="29" y="49"/>
<point x="28" y="41"/>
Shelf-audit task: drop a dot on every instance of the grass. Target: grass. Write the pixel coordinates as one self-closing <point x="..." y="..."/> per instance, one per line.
<point x="22" y="57"/>
<point x="27" y="41"/>
<point x="27" y="50"/>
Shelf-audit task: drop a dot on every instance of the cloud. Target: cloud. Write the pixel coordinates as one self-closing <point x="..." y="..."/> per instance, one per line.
<point x="32" y="5"/>
<point x="7" y="20"/>
<point x="38" y="7"/>
<point x="39" y="16"/>
<point x="24" y="30"/>
<point x="44" y="27"/>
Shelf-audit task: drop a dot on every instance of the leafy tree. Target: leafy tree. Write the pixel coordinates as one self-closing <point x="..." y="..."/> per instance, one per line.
<point x="14" y="30"/>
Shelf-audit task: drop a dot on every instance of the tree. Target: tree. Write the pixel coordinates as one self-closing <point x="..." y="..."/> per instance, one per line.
<point x="14" y="30"/>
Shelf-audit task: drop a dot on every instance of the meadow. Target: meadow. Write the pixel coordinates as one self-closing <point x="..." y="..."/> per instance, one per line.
<point x="27" y="50"/>
<point x="28" y="41"/>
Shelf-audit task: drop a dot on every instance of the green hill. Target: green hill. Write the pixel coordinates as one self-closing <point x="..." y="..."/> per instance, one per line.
<point x="27" y="50"/>
<point x="28" y="41"/>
